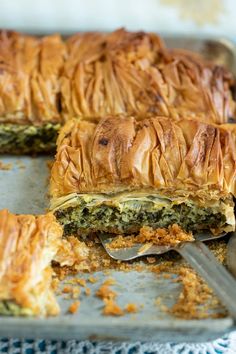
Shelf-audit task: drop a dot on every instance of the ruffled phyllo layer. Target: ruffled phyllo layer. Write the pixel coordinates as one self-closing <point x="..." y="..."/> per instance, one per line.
<point x="119" y="174"/>
<point x="135" y="74"/>
<point x="27" y="246"/>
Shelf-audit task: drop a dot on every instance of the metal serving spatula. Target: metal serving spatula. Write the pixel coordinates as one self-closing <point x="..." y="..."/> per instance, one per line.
<point x="198" y="256"/>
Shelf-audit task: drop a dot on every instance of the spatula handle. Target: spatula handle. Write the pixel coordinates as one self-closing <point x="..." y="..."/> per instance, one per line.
<point x="231" y="254"/>
<point x="218" y="278"/>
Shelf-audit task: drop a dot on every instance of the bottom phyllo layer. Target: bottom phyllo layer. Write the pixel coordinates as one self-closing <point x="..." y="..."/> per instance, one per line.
<point x="84" y="213"/>
<point x="24" y="139"/>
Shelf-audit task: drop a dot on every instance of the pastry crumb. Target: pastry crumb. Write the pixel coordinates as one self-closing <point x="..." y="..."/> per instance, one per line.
<point x="108" y="296"/>
<point x="167" y="276"/>
<point x="194" y="293"/>
<point x="75" y="292"/>
<point x="87" y="291"/>
<point x="151" y="260"/>
<point x="111" y="308"/>
<point x="81" y="282"/>
<point x="110" y="281"/>
<point x="67" y="289"/>
<point x="92" y="280"/>
<point x="131" y="308"/>
<point x="104" y="292"/>
<point x="74" y="307"/>
<point x="5" y="166"/>
<point x="147" y="236"/>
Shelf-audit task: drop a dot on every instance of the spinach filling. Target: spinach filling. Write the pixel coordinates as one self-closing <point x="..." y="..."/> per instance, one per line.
<point x="133" y="214"/>
<point x="28" y="138"/>
<point x="10" y="308"/>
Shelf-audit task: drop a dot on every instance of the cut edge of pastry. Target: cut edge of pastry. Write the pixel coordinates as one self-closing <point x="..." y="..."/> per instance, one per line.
<point x="126" y="213"/>
<point x="25" y="139"/>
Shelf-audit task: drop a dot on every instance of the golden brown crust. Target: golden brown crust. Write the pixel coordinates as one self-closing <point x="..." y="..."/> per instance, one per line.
<point x="95" y="74"/>
<point x="27" y="246"/>
<point x="119" y="154"/>
<point x="29" y="78"/>
<point x="133" y="73"/>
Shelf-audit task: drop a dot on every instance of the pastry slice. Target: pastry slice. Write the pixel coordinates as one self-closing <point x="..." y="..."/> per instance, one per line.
<point x="30" y="107"/>
<point x="119" y="174"/>
<point x="133" y="73"/>
<point x="27" y="246"/>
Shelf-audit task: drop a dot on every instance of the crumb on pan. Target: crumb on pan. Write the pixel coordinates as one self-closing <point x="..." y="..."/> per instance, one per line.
<point x="92" y="280"/>
<point x="194" y="294"/>
<point x="131" y="308"/>
<point x="67" y="289"/>
<point x="74" y="307"/>
<point x="151" y="260"/>
<point x="108" y="296"/>
<point x="81" y="282"/>
<point x="104" y="292"/>
<point x="75" y="292"/>
<point x="111" y="308"/>
<point x="87" y="291"/>
<point x="109" y="281"/>
<point x="5" y="166"/>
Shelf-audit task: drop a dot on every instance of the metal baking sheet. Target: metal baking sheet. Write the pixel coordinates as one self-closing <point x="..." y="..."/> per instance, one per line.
<point x="221" y="51"/>
<point x="24" y="190"/>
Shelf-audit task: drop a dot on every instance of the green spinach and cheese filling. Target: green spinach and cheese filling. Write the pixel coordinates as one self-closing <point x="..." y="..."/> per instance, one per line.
<point x="126" y="213"/>
<point x="16" y="138"/>
<point x="11" y="308"/>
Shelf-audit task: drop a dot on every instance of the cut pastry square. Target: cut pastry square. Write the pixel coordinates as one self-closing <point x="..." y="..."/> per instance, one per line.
<point x="30" y="112"/>
<point x="119" y="174"/>
<point x="27" y="246"/>
<point x="133" y="73"/>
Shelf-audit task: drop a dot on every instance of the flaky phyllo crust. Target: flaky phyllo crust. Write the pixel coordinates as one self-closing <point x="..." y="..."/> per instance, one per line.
<point x="94" y="74"/>
<point x="30" y="70"/>
<point x="27" y="246"/>
<point x="116" y="154"/>
<point x="133" y="73"/>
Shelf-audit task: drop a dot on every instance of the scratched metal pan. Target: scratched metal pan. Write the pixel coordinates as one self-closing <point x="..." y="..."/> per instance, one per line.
<point x="24" y="190"/>
<point x="222" y="51"/>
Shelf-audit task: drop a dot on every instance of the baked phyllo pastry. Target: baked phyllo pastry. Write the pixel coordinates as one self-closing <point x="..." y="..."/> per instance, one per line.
<point x="30" y="107"/>
<point x="119" y="174"/>
<point x="135" y="74"/>
<point x="27" y="246"/>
